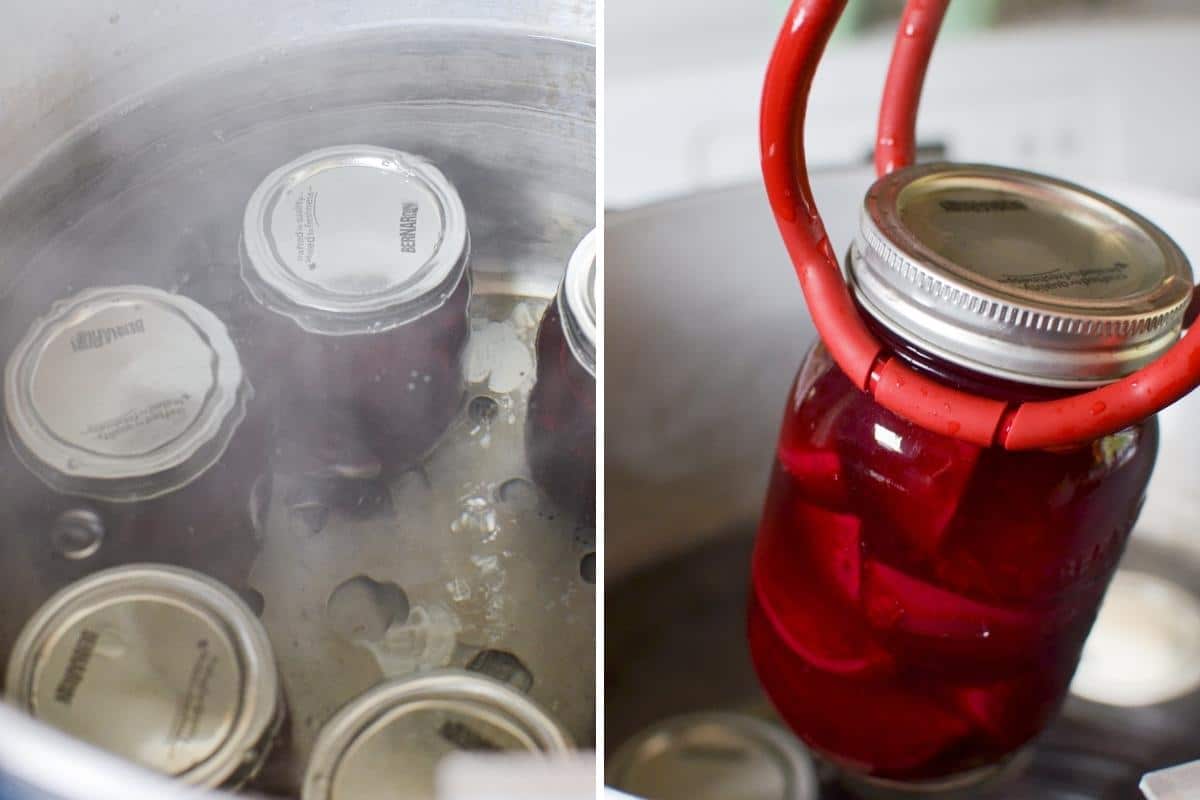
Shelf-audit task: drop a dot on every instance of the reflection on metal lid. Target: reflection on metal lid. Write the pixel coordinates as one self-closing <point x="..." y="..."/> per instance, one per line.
<point x="123" y="393"/>
<point x="354" y="239"/>
<point x="159" y="665"/>
<point x="1145" y="645"/>
<point x="391" y="739"/>
<point x="1018" y="275"/>
<point x="577" y="301"/>
<point x="714" y="755"/>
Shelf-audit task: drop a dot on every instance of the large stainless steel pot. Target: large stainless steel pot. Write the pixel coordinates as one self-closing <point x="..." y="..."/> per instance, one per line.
<point x="124" y="125"/>
<point x="705" y="328"/>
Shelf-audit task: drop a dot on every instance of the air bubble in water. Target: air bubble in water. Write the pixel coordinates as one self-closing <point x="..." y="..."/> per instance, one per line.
<point x="77" y="534"/>
<point x="424" y="641"/>
<point x="459" y="590"/>
<point x="477" y="516"/>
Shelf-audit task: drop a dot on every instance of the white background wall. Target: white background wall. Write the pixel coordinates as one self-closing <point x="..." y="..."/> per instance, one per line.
<point x="1088" y="90"/>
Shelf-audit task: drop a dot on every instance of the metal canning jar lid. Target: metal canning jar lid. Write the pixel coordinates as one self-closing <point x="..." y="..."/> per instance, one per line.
<point x="389" y="740"/>
<point x="1016" y="275"/>
<point x="354" y="239"/>
<point x="123" y="393"/>
<point x="714" y="755"/>
<point x="162" y="666"/>
<point x="577" y="302"/>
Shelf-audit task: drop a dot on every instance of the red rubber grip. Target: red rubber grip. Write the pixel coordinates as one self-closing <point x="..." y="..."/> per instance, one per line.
<point x="790" y="72"/>
<point x="924" y="401"/>
<point x="896" y="140"/>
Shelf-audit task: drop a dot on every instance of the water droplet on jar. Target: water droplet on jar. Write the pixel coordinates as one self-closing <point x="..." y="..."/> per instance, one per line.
<point x="111" y="645"/>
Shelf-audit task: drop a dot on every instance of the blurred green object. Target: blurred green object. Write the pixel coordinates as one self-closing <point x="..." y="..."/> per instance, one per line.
<point x="963" y="16"/>
<point x="854" y="19"/>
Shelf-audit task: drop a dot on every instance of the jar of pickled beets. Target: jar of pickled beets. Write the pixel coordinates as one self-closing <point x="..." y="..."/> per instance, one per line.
<point x="561" y="427"/>
<point x="135" y="436"/>
<point x="359" y="256"/>
<point x="918" y="602"/>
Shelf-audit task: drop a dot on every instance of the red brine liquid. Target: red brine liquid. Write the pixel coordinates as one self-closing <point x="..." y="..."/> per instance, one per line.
<point x="561" y="427"/>
<point x="919" y="603"/>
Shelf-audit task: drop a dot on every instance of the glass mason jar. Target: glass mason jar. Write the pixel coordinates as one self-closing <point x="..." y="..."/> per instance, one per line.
<point x="159" y="665"/>
<point x="360" y="255"/>
<point x="561" y="427"/>
<point x="138" y="438"/>
<point x="919" y="602"/>
<point x="389" y="741"/>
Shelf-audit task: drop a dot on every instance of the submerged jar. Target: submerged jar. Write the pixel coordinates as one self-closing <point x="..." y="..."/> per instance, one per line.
<point x="138" y="438"/>
<point x="359" y="255"/>
<point x="389" y="741"/>
<point x="159" y="665"/>
<point x="561" y="427"/>
<point x="919" y="602"/>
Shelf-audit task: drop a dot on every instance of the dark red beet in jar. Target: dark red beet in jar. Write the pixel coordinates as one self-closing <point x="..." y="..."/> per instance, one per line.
<point x="561" y="426"/>
<point x="358" y="257"/>
<point x="133" y="435"/>
<point x="919" y="603"/>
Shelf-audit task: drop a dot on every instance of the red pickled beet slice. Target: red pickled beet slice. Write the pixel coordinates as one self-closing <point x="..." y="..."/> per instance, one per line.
<point x="901" y="602"/>
<point x="819" y="473"/>
<point x="834" y="543"/>
<point x="1012" y="711"/>
<point x="882" y="728"/>
<point x="818" y="629"/>
<point x="918" y="489"/>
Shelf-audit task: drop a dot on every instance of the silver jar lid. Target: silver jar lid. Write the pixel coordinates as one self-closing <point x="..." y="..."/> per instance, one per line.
<point x="390" y="740"/>
<point x="162" y="666"/>
<point x="577" y="302"/>
<point x="1016" y="275"/>
<point x="123" y="393"/>
<point x="714" y="755"/>
<point x="354" y="239"/>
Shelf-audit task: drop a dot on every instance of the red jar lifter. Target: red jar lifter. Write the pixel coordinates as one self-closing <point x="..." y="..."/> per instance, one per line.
<point x="919" y="399"/>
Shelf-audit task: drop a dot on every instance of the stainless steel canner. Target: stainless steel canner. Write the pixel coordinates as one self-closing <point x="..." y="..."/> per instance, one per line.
<point x="215" y="558"/>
